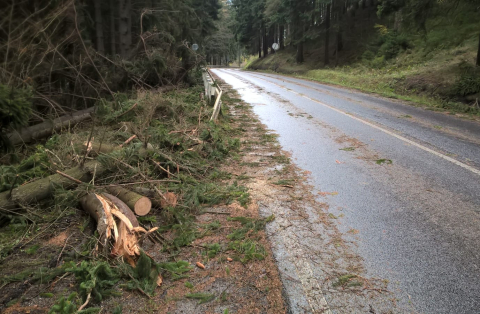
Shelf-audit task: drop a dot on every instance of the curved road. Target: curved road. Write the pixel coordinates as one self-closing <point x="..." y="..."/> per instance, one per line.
<point x="407" y="179"/>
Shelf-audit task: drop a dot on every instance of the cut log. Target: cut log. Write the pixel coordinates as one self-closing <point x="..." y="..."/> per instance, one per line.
<point x="46" y="128"/>
<point x="140" y="204"/>
<point x="170" y="198"/>
<point x="100" y="148"/>
<point x="123" y="208"/>
<point x="151" y="194"/>
<point x="43" y="188"/>
<point x="105" y="212"/>
<point x="93" y="206"/>
<point x="104" y="148"/>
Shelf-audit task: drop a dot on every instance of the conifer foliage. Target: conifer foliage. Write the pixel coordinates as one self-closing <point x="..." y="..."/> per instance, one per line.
<point x="330" y="25"/>
<point x="61" y="56"/>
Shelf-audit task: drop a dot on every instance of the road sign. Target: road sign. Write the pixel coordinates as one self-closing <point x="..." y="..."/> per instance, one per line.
<point x="275" y="46"/>
<point x="195" y="47"/>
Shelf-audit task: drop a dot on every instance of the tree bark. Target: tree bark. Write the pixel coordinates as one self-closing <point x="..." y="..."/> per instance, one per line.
<point x="124" y="30"/>
<point x="140" y="204"/>
<point x="151" y="194"/>
<point x="265" y="41"/>
<point x="43" y="188"/>
<point x="298" y="33"/>
<point x="113" y="34"/>
<point x="98" y="148"/>
<point x="46" y="128"/>
<point x="327" y="34"/>
<point x="271" y="37"/>
<point x="259" y="46"/>
<point x="158" y="202"/>
<point x="99" y="27"/>
<point x="478" y="53"/>
<point x="129" y="23"/>
<point x="93" y="206"/>
<point x="282" y="37"/>
<point x="299" y="56"/>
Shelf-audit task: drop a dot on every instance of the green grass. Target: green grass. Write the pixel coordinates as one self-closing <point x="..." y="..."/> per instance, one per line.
<point x="347" y="280"/>
<point x="348" y="149"/>
<point x="201" y="297"/>
<point x="284" y="182"/>
<point x="249" y="250"/>
<point x="384" y="161"/>
<point x="213" y="250"/>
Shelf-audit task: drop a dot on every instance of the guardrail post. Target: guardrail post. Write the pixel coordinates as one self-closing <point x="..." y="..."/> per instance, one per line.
<point x="211" y="91"/>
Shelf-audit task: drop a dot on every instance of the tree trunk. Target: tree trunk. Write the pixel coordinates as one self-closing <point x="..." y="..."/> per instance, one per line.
<point x="99" y="27"/>
<point x="98" y="148"/>
<point x="94" y="207"/>
<point x="43" y="188"/>
<point x="259" y="46"/>
<point x="298" y="33"/>
<point x="327" y="34"/>
<point x="265" y="41"/>
<point x="129" y="23"/>
<point x="282" y="37"/>
<point x="157" y="201"/>
<point x="152" y="195"/>
<point x="299" y="56"/>
<point x="141" y="205"/>
<point x="46" y="128"/>
<point x="113" y="34"/>
<point x="397" y="25"/>
<point x="124" y="27"/>
<point x="271" y="38"/>
<point x="478" y="53"/>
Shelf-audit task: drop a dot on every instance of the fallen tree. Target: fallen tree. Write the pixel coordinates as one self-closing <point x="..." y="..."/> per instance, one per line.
<point x="43" y="188"/>
<point x="46" y="128"/>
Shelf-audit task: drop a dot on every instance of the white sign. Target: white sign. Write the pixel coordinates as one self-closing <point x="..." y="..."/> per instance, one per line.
<point x="275" y="46"/>
<point x="195" y="47"/>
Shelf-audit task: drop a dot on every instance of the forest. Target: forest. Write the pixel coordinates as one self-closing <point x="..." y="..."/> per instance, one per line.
<point x="259" y="24"/>
<point x="427" y="47"/>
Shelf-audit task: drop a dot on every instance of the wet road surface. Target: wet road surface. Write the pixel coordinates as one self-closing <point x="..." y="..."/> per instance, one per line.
<point x="404" y="179"/>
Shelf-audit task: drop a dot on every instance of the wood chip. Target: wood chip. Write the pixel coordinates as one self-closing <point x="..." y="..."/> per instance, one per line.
<point x="159" y="280"/>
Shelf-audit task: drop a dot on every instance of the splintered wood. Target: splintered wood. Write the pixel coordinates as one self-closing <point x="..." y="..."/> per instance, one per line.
<point x="116" y="225"/>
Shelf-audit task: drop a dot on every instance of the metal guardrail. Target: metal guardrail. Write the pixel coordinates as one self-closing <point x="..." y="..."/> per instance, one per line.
<point x="212" y="90"/>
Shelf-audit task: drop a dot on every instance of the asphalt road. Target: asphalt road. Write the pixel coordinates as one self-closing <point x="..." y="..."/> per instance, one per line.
<point x="408" y="180"/>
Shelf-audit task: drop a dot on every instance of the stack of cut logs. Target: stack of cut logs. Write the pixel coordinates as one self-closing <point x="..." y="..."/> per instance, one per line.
<point x="113" y="211"/>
